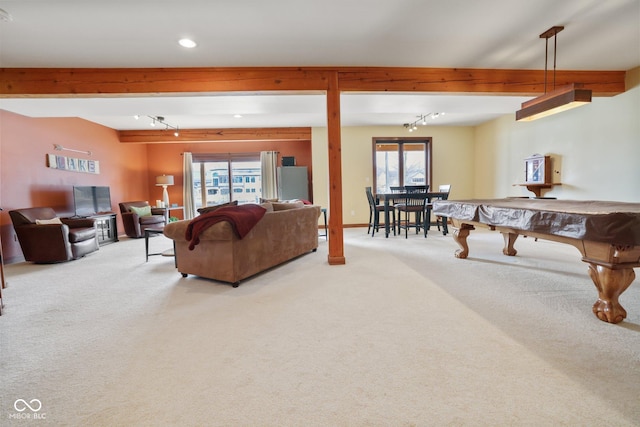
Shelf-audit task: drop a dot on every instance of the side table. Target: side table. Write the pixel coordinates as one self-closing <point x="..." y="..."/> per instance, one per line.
<point x="326" y="231"/>
<point x="147" y="233"/>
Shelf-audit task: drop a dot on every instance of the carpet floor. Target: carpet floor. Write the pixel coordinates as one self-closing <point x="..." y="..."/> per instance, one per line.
<point x="404" y="334"/>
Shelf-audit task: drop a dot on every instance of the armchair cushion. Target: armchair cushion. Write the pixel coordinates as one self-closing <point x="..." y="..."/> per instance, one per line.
<point x="77" y="235"/>
<point x="141" y="211"/>
<point x="55" y="220"/>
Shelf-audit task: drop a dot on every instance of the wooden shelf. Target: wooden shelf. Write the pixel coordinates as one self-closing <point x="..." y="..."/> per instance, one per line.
<point x="537" y="188"/>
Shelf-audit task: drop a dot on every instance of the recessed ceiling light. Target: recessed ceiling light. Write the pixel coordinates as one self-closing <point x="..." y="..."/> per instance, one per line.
<point x="237" y="116"/>
<point x="188" y="43"/>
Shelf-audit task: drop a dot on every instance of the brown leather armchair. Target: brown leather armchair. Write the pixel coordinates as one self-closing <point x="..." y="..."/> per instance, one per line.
<point x="68" y="239"/>
<point x="134" y="224"/>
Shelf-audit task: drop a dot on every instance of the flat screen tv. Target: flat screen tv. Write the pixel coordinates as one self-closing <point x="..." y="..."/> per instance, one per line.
<point x="91" y="200"/>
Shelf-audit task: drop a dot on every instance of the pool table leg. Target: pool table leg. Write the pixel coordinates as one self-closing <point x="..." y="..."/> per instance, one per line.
<point x="460" y="237"/>
<point x="509" y="241"/>
<point x="611" y="283"/>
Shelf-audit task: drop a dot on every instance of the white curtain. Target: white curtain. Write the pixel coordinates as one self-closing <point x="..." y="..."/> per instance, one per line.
<point x="187" y="188"/>
<point x="268" y="164"/>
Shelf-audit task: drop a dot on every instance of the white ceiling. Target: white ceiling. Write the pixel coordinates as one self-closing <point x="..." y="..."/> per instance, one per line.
<point x="598" y="35"/>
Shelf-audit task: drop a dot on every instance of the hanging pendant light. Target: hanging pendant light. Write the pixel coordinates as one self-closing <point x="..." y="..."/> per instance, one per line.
<point x="557" y="100"/>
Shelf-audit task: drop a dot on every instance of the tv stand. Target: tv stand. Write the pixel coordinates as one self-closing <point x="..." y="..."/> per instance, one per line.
<point x="107" y="227"/>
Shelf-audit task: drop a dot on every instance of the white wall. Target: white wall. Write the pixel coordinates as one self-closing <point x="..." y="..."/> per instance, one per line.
<point x="595" y="150"/>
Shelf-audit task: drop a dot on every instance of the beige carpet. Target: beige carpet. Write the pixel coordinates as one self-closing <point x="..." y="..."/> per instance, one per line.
<point x="404" y="334"/>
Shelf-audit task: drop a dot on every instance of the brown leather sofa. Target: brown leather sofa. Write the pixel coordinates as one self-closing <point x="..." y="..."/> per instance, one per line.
<point x="51" y="242"/>
<point x="283" y="233"/>
<point x="134" y="224"/>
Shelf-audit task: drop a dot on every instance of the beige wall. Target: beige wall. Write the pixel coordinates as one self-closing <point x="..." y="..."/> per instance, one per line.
<point x="595" y="150"/>
<point x="453" y="163"/>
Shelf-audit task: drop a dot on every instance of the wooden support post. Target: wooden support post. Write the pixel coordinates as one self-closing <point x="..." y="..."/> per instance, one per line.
<point x="335" y="232"/>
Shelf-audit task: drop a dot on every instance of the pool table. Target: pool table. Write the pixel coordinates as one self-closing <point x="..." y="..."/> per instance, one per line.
<point x="607" y="234"/>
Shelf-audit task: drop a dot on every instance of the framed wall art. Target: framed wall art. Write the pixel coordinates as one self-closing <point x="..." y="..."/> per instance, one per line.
<point x="537" y="169"/>
<point x="73" y="164"/>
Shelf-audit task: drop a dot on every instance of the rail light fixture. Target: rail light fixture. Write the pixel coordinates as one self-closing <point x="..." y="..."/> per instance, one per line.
<point x="557" y="100"/>
<point x="422" y="120"/>
<point x="160" y="120"/>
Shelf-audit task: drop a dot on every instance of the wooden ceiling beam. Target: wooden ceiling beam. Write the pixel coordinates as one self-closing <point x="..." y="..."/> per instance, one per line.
<point x="152" y="81"/>
<point x="218" y="135"/>
<point x="475" y="81"/>
<point x="60" y="82"/>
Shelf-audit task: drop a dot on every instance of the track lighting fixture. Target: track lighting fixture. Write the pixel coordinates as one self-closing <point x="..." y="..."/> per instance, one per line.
<point x="422" y="119"/>
<point x="160" y="120"/>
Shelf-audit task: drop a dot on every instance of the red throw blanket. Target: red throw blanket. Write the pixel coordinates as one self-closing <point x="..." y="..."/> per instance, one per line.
<point x="242" y="219"/>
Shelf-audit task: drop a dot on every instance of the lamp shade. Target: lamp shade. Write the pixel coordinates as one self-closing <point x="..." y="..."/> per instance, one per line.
<point x="164" y="180"/>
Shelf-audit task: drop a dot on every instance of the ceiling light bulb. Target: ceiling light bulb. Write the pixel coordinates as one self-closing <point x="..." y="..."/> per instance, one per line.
<point x="137" y="116"/>
<point x="153" y="123"/>
<point x="188" y="43"/>
<point x="237" y="116"/>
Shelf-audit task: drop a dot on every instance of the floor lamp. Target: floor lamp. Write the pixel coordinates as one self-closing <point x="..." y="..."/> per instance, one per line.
<point x="165" y="181"/>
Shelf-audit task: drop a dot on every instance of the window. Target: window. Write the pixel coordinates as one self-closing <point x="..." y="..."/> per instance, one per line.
<point x="401" y="161"/>
<point x="226" y="177"/>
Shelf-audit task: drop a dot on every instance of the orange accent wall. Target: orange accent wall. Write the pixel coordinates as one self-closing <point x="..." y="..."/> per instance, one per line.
<point x="167" y="159"/>
<point x="128" y="169"/>
<point x="26" y="181"/>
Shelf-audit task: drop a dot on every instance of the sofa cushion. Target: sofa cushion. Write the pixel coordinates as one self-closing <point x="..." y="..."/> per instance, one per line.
<point x="141" y="211"/>
<point x="213" y="208"/>
<point x="286" y="206"/>
<point x="268" y="206"/>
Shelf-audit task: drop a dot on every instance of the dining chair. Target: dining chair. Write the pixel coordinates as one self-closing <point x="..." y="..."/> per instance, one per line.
<point x="416" y="188"/>
<point x="397" y="189"/>
<point x="413" y="204"/>
<point x="413" y="207"/>
<point x="443" y="194"/>
<point x="375" y="210"/>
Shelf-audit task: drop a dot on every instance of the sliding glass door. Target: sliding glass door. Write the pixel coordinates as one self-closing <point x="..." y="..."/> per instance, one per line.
<point x="222" y="178"/>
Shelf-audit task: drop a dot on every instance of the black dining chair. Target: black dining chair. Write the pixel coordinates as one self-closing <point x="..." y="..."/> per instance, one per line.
<point x="416" y="188"/>
<point x="443" y="194"/>
<point x="414" y="203"/>
<point x="375" y="210"/>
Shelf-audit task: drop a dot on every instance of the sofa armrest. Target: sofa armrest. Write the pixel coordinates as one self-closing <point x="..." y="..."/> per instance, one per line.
<point x="158" y="211"/>
<point x="42" y="242"/>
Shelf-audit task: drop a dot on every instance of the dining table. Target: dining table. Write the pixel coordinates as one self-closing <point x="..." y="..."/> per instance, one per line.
<point x="388" y="198"/>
